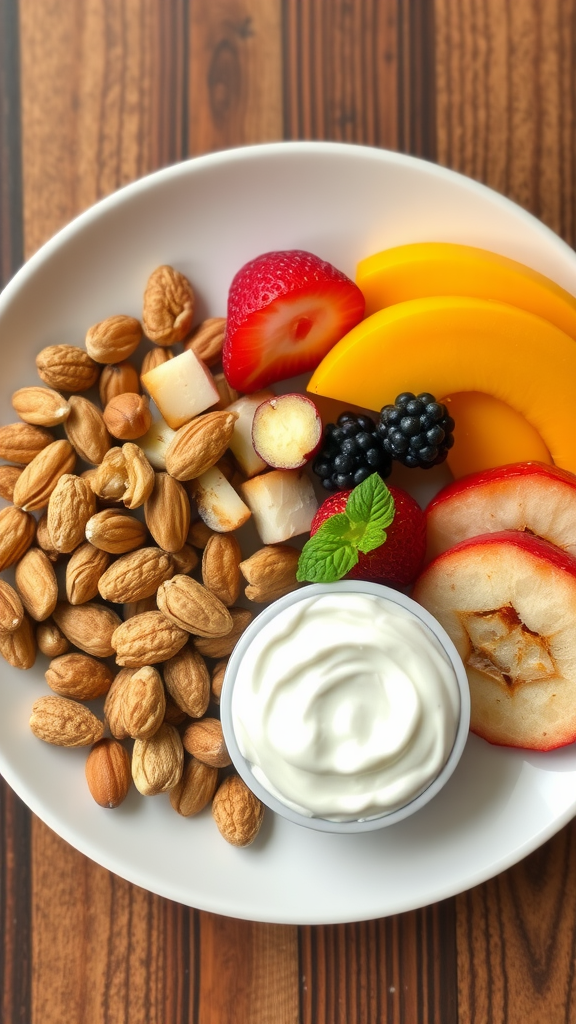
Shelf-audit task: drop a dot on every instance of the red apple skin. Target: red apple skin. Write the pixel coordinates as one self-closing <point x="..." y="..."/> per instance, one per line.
<point x="305" y="457"/>
<point x="486" y="476"/>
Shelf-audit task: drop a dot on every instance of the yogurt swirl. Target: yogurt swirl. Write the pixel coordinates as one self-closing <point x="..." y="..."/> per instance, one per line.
<point x="346" y="705"/>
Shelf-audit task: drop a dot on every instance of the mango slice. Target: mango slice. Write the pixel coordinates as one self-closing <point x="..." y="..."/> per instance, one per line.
<point x="490" y="433"/>
<point x="447" y="344"/>
<point x="444" y="268"/>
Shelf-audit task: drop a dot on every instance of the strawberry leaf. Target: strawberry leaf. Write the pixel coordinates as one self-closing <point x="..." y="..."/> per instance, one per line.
<point x="371" y="503"/>
<point x="325" y="558"/>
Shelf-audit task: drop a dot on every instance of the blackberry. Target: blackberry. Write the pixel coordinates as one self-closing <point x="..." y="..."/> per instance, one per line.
<point x="351" y="451"/>
<point x="416" y="430"/>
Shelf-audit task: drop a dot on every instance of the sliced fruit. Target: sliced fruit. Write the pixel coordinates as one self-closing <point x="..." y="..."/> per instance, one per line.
<point x="182" y="388"/>
<point x="508" y="602"/>
<point x="286" y="431"/>
<point x="444" y="268"/>
<point x="490" y="433"/>
<point x="447" y="344"/>
<point x="285" y="311"/>
<point x="241" y="444"/>
<point x="219" y="506"/>
<point x="526" y="496"/>
<point x="282" y="502"/>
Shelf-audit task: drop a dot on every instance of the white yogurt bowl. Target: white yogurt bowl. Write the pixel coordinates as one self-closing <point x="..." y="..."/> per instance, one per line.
<point x="249" y="710"/>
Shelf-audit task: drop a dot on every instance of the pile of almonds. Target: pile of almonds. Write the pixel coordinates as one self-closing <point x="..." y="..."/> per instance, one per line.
<point x="118" y="537"/>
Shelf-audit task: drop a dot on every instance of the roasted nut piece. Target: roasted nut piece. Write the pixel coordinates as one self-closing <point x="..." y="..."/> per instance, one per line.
<point x="8" y="477"/>
<point x="11" y="609"/>
<point x="205" y="741"/>
<point x="188" y="681"/>
<point x="40" y="406"/>
<point x="198" y="445"/>
<point x="44" y="540"/>
<point x="237" y="812"/>
<point x="113" y="339"/>
<point x="145" y="604"/>
<point x="221" y="567"/>
<point x="64" y="722"/>
<point x="227" y="394"/>
<point x="38" y="480"/>
<point x="128" y="416"/>
<point x="51" y="640"/>
<point x="17" y="529"/>
<point x="195" y="789"/>
<point x="22" y="442"/>
<point x="108" y="772"/>
<point x="157" y="762"/>
<point x="67" y="368"/>
<point x="78" y="676"/>
<point x="199" y="534"/>
<point x="124" y="475"/>
<point x="72" y="503"/>
<point x="114" y="703"/>
<point x="36" y="584"/>
<point x="218" y="673"/>
<point x="118" y="379"/>
<point x="83" y="573"/>
<point x="86" y="430"/>
<point x="270" y="572"/>
<point x="168" y="306"/>
<point x="88" y="626"/>
<point x="19" y="646"/>
<point x="185" y="560"/>
<point x="167" y="513"/>
<point x="154" y="358"/>
<point x="190" y="606"/>
<point x="207" y="339"/>
<point x="147" y="639"/>
<point x="222" y="646"/>
<point x="115" y="532"/>
<point x="143" y="703"/>
<point x="136" y="575"/>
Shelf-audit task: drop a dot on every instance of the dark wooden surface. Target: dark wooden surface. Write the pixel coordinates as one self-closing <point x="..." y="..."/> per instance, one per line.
<point x="94" y="93"/>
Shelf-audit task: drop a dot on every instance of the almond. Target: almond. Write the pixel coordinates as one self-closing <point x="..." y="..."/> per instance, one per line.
<point x="115" y="532"/>
<point x="51" y="640"/>
<point x="88" y="626"/>
<point x="113" y="339"/>
<point x="17" y="529"/>
<point x="108" y="772"/>
<point x="113" y="705"/>
<point x="154" y="358"/>
<point x="270" y="572"/>
<point x="199" y="534"/>
<point x="145" y="604"/>
<point x="147" y="639"/>
<point x="167" y="513"/>
<point x="190" y="606"/>
<point x="227" y="394"/>
<point x="157" y="762"/>
<point x="195" y="789"/>
<point x="117" y="379"/>
<point x="38" y="480"/>
<point x="67" y="368"/>
<point x="19" y="646"/>
<point x="36" y="583"/>
<point x="142" y="703"/>
<point x="108" y="481"/>
<point x="44" y="540"/>
<point x="22" y="442"/>
<point x="173" y="714"/>
<point x="124" y="475"/>
<point x="136" y="575"/>
<point x="218" y="673"/>
<point x="221" y="647"/>
<point x="205" y="741"/>
<point x="11" y="609"/>
<point x="221" y="567"/>
<point x="83" y="572"/>
<point x="40" y="406"/>
<point x="128" y="416"/>
<point x="199" y="444"/>
<point x="64" y="722"/>
<point x="188" y="681"/>
<point x="78" y="676"/>
<point x="185" y="560"/>
<point x="71" y="504"/>
<point x="237" y="812"/>
<point x="86" y="430"/>
<point x="8" y="477"/>
<point x="207" y="339"/>
<point x="168" y="306"/>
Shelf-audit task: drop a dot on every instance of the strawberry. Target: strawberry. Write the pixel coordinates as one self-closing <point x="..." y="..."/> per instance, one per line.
<point x="345" y="540"/>
<point x="285" y="311"/>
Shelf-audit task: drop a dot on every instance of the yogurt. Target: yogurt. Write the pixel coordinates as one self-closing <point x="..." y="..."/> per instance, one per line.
<point x="346" y="706"/>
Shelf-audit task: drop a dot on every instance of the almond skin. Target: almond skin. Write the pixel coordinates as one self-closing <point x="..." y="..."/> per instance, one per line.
<point x="167" y="513"/>
<point x="22" y="442"/>
<point x="117" y="379"/>
<point x="158" y="762"/>
<point x="221" y="567"/>
<point x="17" y="529"/>
<point x="168" y="312"/>
<point x="199" y="534"/>
<point x="67" y="368"/>
<point x="114" y="703"/>
<point x="185" y="560"/>
<point x="19" y="647"/>
<point x="39" y="478"/>
<point x="142" y="703"/>
<point x="190" y="606"/>
<point x="8" y="477"/>
<point x="36" y="583"/>
<point x="270" y="572"/>
<point x="86" y="430"/>
<point x="41" y="406"/>
<point x="147" y="639"/>
<point x="11" y="608"/>
<point x="71" y="504"/>
<point x="88" y="626"/>
<point x="218" y="673"/>
<point x="128" y="416"/>
<point x="115" y="532"/>
<point x="113" y="339"/>
<point x="198" y="445"/>
<point x="207" y="339"/>
<point x="188" y="681"/>
<point x="205" y="741"/>
<point x="237" y="812"/>
<point x="51" y="640"/>
<point x="83" y="573"/>
<point x="64" y="722"/>
<point x="195" y="789"/>
<point x="135" y="575"/>
<point x="78" y="676"/>
<point x="44" y="540"/>
<point x="155" y="358"/>
<point x="221" y="647"/>
<point x="108" y="772"/>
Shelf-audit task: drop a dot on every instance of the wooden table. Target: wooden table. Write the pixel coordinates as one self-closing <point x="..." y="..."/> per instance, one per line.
<point x="93" y="94"/>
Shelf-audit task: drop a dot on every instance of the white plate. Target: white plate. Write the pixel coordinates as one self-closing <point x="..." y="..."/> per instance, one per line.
<point x="207" y="217"/>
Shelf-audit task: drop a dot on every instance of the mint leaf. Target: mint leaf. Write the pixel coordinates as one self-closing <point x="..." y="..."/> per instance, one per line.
<point x="371" y="503"/>
<point x="372" y="537"/>
<point x="337" y="526"/>
<point x="325" y="558"/>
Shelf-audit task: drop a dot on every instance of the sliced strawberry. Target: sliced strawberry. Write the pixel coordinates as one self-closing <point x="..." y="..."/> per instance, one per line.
<point x="286" y="310"/>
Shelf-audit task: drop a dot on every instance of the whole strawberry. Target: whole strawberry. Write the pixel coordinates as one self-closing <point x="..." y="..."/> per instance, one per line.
<point x="372" y="533"/>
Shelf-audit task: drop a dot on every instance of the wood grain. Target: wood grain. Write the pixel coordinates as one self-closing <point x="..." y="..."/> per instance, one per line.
<point x="11" y="253"/>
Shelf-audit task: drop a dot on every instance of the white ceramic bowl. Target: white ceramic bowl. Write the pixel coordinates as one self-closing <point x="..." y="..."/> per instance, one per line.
<point x="207" y="217"/>
<point x="244" y="767"/>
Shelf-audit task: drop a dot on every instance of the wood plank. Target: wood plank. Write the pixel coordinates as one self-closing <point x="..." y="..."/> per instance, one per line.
<point x="15" y="948"/>
<point x="11" y="246"/>
<point x="506" y="101"/>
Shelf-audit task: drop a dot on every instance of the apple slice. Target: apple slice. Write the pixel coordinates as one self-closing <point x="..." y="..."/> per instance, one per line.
<point x="528" y="496"/>
<point x="241" y="444"/>
<point x="282" y="502"/>
<point x="508" y="602"/>
<point x="287" y="431"/>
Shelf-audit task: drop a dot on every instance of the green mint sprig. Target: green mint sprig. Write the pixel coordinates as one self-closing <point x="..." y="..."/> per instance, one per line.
<point x="334" y="548"/>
